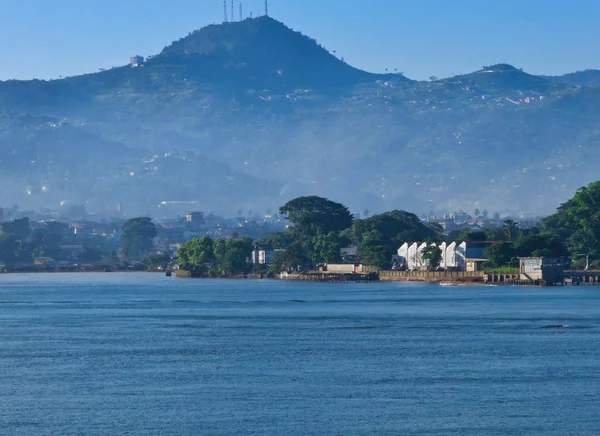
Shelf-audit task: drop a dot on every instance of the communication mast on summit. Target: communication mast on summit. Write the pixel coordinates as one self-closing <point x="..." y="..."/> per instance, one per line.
<point x="267" y="8"/>
<point x="225" y="10"/>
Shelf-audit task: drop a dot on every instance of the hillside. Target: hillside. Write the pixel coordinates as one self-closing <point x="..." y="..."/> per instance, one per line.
<point x="579" y="78"/>
<point x="248" y="115"/>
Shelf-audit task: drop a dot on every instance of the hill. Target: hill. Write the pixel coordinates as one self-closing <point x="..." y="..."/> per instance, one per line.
<point x="579" y="78"/>
<point x="251" y="114"/>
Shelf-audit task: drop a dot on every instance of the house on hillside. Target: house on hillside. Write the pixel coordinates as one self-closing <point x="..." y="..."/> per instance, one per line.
<point x="263" y="254"/>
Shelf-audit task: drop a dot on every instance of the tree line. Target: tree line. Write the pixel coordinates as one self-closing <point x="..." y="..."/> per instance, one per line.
<point x="319" y="228"/>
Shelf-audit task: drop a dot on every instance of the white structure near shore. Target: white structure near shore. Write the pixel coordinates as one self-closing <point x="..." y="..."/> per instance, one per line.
<point x="456" y="255"/>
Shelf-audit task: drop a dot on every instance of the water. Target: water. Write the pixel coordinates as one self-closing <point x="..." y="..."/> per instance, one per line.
<point x="142" y="354"/>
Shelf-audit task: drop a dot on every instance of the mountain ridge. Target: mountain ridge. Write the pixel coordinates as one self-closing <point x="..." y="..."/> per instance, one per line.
<point x="264" y="114"/>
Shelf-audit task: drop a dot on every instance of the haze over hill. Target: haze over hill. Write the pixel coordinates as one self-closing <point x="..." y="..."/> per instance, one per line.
<point x="247" y="115"/>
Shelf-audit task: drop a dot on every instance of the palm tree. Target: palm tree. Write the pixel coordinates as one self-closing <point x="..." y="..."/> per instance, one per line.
<point x="511" y="229"/>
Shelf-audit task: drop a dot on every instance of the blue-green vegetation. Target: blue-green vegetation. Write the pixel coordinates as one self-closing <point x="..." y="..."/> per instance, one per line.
<point x="243" y="114"/>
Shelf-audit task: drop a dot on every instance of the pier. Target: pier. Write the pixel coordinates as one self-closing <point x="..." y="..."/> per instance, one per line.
<point x="577" y="277"/>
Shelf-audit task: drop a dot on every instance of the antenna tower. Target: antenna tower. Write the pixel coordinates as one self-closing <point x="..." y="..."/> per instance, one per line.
<point x="267" y="8"/>
<point x="241" y="13"/>
<point x="232" y="14"/>
<point x="225" y="10"/>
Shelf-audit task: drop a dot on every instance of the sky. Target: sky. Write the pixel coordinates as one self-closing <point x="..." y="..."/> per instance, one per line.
<point x="48" y="39"/>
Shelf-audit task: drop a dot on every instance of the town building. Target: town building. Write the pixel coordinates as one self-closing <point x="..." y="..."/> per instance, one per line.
<point x="195" y="217"/>
<point x="456" y="256"/>
<point x="545" y="269"/>
<point x="263" y="254"/>
<point x="136" y="61"/>
<point x="345" y="268"/>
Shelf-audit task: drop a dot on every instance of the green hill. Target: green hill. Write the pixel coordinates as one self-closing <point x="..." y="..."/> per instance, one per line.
<point x="250" y="114"/>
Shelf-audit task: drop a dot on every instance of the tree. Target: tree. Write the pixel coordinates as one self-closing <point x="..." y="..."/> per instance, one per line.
<point x="437" y="228"/>
<point x="196" y="253"/>
<point x="433" y="255"/>
<point x="472" y="235"/>
<point x="327" y="248"/>
<point x="496" y="216"/>
<point x="540" y="245"/>
<point x="313" y="215"/>
<point x="392" y="230"/>
<point x="279" y="240"/>
<point x="137" y="238"/>
<point x="292" y="259"/>
<point x="8" y="248"/>
<point x="433" y="78"/>
<point x="511" y="229"/>
<point x="375" y="255"/>
<point x="500" y="253"/>
<point x="220" y="253"/>
<point x="238" y="252"/>
<point x="494" y="234"/>
<point x="476" y="212"/>
<point x="578" y="221"/>
<point x="231" y="256"/>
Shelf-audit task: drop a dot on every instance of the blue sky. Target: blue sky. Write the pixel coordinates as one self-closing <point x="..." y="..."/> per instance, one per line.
<point x="47" y="39"/>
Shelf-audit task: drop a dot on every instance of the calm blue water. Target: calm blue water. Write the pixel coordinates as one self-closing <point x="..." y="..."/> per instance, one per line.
<point x="143" y="354"/>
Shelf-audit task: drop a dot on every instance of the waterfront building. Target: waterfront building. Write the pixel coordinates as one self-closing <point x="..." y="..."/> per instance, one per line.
<point x="546" y="269"/>
<point x="456" y="255"/>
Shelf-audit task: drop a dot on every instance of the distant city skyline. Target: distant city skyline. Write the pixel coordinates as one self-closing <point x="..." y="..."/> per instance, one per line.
<point x="40" y="39"/>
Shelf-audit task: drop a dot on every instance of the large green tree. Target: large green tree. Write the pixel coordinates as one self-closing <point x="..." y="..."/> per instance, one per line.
<point x="137" y="238"/>
<point x="232" y="255"/>
<point x="578" y="221"/>
<point x="313" y="215"/>
<point x="196" y="253"/>
<point x="500" y="254"/>
<point x="327" y="248"/>
<point x="540" y="245"/>
<point x="390" y="230"/>
<point x="375" y="255"/>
